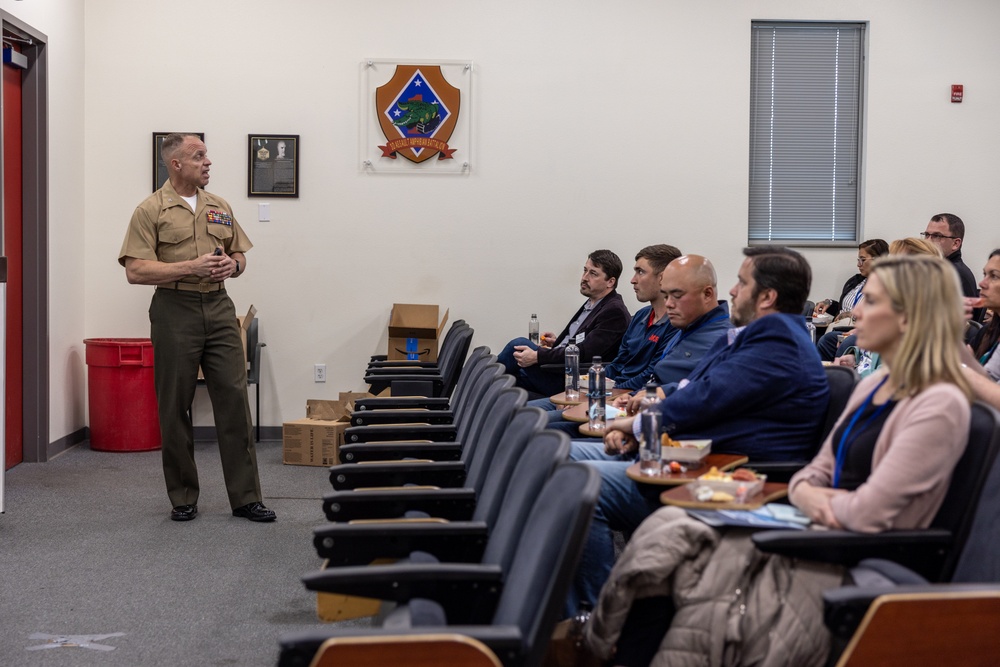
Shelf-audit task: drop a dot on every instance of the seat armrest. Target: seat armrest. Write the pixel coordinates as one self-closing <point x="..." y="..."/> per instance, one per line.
<point x="923" y="551"/>
<point x="451" y="504"/>
<point x="348" y="544"/>
<point x="427" y="386"/>
<point x="447" y="474"/>
<point x="403" y="371"/>
<point x="433" y="432"/>
<point x="415" y="382"/>
<point x="464" y="590"/>
<point x="401" y="402"/>
<point x="402" y="363"/>
<point x="393" y="451"/>
<point x="414" y="416"/>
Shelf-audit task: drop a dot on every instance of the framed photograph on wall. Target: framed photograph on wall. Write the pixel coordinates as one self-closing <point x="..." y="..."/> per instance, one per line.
<point x="273" y="165"/>
<point x="159" y="166"/>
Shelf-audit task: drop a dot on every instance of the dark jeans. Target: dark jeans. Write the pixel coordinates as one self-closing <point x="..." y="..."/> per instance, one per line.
<point x="827" y="345"/>
<point x="532" y="378"/>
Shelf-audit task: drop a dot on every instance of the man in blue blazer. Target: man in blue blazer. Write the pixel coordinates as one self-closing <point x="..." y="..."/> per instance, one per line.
<point x="760" y="391"/>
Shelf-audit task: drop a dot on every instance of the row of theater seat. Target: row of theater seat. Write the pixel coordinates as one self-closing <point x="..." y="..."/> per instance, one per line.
<point x="491" y="459"/>
<point x="484" y="517"/>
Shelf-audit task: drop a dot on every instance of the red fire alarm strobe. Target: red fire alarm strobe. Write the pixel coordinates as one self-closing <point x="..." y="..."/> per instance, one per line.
<point x="956" y="93"/>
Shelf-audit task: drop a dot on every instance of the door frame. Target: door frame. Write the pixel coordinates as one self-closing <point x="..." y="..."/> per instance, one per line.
<point x="35" y="189"/>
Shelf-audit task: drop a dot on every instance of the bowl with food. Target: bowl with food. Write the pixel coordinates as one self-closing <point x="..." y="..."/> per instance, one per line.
<point x="737" y="486"/>
<point x="822" y="320"/>
<point x="683" y="451"/>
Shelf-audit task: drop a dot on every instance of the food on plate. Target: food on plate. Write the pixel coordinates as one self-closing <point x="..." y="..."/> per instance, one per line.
<point x="740" y="475"/>
<point x="676" y="467"/>
<point x="744" y="475"/>
<point x="667" y="441"/>
<point x="713" y="474"/>
<point x="703" y="494"/>
<point x="706" y="494"/>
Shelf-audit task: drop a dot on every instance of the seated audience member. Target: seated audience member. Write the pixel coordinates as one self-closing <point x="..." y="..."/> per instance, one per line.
<point x="849" y="299"/>
<point x="689" y="285"/>
<point x="848" y="353"/>
<point x="911" y="245"/>
<point x="886" y="465"/>
<point x="647" y="333"/>
<point x="760" y="391"/>
<point x="984" y="344"/>
<point x="596" y="328"/>
<point x="947" y="232"/>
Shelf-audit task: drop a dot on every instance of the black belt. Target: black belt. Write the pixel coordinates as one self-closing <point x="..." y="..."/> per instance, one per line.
<point x="193" y="287"/>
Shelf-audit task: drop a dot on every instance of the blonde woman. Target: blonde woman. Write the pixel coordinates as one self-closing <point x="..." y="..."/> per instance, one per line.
<point x="886" y="465"/>
<point x="912" y="245"/>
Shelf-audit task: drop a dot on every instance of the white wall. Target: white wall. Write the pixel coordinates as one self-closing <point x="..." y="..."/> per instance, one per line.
<point x="596" y="124"/>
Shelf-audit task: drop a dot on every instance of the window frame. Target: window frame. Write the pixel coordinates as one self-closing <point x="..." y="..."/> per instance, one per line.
<point x="804" y="238"/>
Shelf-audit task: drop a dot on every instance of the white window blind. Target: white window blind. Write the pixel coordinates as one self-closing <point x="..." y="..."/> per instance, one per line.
<point x="805" y="129"/>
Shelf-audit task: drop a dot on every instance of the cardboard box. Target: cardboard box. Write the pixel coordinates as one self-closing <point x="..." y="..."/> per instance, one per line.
<point x="414" y="331"/>
<point x="316" y="440"/>
<point x="244" y="322"/>
<point x="339" y="607"/>
<point x="312" y="442"/>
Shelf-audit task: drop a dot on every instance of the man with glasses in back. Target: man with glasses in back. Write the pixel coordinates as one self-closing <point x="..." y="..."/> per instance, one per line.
<point x="946" y="231"/>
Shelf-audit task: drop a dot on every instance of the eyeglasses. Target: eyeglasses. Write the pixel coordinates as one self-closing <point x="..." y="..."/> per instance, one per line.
<point x="862" y="260"/>
<point x="934" y="236"/>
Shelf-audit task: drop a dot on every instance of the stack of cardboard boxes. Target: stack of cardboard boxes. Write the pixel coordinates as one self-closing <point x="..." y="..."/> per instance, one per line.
<point x="414" y="331"/>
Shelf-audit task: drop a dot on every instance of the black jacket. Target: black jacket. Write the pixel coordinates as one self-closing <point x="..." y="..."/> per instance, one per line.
<point x="603" y="330"/>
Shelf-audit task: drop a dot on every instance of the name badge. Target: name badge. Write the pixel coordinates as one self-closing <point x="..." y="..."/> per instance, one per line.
<point x="580" y="338"/>
<point x="220" y="218"/>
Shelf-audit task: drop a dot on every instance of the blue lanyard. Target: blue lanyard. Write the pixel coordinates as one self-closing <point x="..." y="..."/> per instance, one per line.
<point x="846" y="441"/>
<point x="986" y="357"/>
<point x="684" y="334"/>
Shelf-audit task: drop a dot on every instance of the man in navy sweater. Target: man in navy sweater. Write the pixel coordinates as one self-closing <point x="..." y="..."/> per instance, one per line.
<point x="759" y="391"/>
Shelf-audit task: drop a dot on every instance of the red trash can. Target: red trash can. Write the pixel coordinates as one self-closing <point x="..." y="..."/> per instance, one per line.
<point x="122" y="396"/>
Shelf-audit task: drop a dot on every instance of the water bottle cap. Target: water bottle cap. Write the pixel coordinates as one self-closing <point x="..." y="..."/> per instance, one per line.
<point x="597" y="360"/>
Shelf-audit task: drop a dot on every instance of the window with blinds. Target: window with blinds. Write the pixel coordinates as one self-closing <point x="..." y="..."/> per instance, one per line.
<point x="805" y="132"/>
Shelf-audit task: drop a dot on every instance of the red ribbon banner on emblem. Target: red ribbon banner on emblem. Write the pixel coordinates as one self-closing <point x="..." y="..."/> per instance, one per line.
<point x="389" y="150"/>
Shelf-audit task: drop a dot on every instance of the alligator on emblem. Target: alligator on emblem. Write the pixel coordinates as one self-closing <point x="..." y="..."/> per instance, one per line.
<point x="420" y="117"/>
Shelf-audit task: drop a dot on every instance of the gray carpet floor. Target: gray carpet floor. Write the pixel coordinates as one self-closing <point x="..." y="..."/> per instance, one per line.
<point x="88" y="549"/>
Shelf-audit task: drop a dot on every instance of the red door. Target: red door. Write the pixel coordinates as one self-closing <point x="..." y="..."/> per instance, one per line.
<point x="12" y="247"/>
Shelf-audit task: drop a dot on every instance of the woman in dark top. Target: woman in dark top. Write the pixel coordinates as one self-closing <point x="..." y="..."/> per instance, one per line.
<point x="849" y="299"/>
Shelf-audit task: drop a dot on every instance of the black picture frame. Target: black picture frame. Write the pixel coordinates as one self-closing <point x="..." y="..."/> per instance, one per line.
<point x="273" y="165"/>
<point x="160" y="173"/>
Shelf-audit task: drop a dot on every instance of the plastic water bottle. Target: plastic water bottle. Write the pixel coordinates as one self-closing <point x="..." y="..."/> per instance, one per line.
<point x="596" y="398"/>
<point x="811" y="329"/>
<point x="533" y="329"/>
<point x="650" y="458"/>
<point x="572" y="359"/>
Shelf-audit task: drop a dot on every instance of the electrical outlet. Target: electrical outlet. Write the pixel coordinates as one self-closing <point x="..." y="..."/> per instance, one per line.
<point x="319" y="373"/>
<point x="263" y="212"/>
